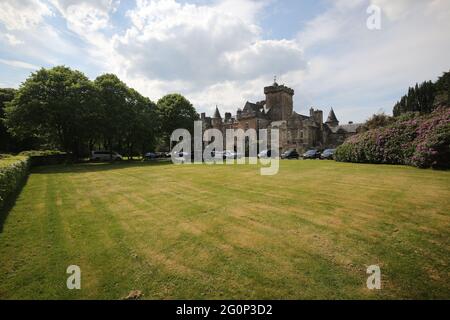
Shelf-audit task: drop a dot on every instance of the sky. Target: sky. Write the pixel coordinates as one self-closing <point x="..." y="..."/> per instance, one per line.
<point x="223" y="52"/>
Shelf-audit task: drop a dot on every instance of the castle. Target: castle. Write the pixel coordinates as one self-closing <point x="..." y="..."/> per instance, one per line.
<point x="296" y="131"/>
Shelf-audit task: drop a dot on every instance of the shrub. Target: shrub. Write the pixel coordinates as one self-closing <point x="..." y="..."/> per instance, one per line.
<point x="433" y="142"/>
<point x="13" y="171"/>
<point x="45" y="157"/>
<point x="422" y="141"/>
<point x="36" y="153"/>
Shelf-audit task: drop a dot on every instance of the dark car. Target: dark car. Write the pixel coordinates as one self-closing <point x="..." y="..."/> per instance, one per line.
<point x="311" y="154"/>
<point x="290" y="154"/>
<point x="328" y="154"/>
<point x="150" y="156"/>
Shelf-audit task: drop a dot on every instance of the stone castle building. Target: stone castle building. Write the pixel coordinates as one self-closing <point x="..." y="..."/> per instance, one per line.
<point x="297" y="131"/>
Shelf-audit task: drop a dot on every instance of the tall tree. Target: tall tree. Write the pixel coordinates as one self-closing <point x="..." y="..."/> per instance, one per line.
<point x="175" y="112"/>
<point x="54" y="105"/>
<point x="114" y="117"/>
<point x="128" y="120"/>
<point x="6" y="95"/>
<point x="142" y="128"/>
<point x="425" y="97"/>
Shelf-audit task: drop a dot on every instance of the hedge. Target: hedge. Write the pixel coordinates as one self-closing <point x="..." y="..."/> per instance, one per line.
<point x="421" y="141"/>
<point x="13" y="171"/>
<point x="45" y="157"/>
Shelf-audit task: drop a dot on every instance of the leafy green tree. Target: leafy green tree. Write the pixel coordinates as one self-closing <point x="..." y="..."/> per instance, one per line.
<point x="175" y="112"/>
<point x="53" y="105"/>
<point x="443" y="88"/>
<point x="6" y="95"/>
<point x="141" y="130"/>
<point x="113" y="95"/>
<point x="128" y="121"/>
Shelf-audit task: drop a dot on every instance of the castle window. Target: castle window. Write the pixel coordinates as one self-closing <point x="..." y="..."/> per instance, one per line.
<point x="246" y="126"/>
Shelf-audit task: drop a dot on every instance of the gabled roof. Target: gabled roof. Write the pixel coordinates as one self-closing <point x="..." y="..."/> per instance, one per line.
<point x="250" y="106"/>
<point x="254" y="108"/>
<point x="347" y="128"/>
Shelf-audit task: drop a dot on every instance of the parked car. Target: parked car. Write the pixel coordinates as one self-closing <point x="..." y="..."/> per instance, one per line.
<point x="311" y="154"/>
<point x="265" y="154"/>
<point x="105" y="156"/>
<point x="150" y="156"/>
<point x="328" y="154"/>
<point x="227" y="155"/>
<point x="236" y="155"/>
<point x="290" y="154"/>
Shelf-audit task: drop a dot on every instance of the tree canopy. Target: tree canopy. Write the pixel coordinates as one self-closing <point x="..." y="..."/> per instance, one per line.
<point x="53" y="105"/>
<point x="175" y="112"/>
<point x="64" y="110"/>
<point x="426" y="97"/>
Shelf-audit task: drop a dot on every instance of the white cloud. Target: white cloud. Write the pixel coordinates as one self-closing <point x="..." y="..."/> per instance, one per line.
<point x="218" y="53"/>
<point x="12" y="40"/>
<point x="359" y="71"/>
<point x="85" y="16"/>
<point x="209" y="53"/>
<point x="22" y="14"/>
<point x="19" y="64"/>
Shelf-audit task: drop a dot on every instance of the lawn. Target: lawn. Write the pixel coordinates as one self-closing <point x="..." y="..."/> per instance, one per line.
<point x="221" y="232"/>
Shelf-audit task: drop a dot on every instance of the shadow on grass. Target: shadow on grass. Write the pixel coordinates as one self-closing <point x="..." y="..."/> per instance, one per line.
<point x="10" y="202"/>
<point x="97" y="166"/>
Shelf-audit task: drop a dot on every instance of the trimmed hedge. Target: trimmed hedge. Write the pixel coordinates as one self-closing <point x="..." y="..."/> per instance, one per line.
<point x="421" y="141"/>
<point x="46" y="157"/>
<point x="13" y="171"/>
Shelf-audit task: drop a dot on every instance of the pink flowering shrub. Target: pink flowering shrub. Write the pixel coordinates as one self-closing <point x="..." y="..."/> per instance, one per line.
<point x="421" y="141"/>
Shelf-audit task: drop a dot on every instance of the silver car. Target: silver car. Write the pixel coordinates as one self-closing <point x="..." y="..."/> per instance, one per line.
<point x="105" y="156"/>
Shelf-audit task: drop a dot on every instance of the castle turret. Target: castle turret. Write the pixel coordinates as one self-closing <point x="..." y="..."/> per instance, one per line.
<point x="332" y="121"/>
<point x="279" y="101"/>
<point x="217" y="114"/>
<point x="217" y="119"/>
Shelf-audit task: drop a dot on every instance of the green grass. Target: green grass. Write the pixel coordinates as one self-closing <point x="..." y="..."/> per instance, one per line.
<point x="220" y="232"/>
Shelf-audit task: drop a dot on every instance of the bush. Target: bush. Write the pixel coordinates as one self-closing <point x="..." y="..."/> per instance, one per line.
<point x="13" y="171"/>
<point x="421" y="141"/>
<point x="433" y="142"/>
<point x="40" y="153"/>
<point x="45" y="157"/>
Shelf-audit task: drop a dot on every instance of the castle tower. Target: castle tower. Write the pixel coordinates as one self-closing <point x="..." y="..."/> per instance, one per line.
<point x="317" y="116"/>
<point x="217" y="119"/>
<point x="279" y="101"/>
<point x="332" y="121"/>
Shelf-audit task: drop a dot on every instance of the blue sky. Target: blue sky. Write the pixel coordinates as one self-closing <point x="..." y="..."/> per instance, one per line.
<point x="225" y="51"/>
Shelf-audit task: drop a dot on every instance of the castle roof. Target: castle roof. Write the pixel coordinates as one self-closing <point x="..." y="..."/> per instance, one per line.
<point x="348" y="128"/>
<point x="278" y="88"/>
<point x="253" y="109"/>
<point x="217" y="114"/>
<point x="332" y="117"/>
